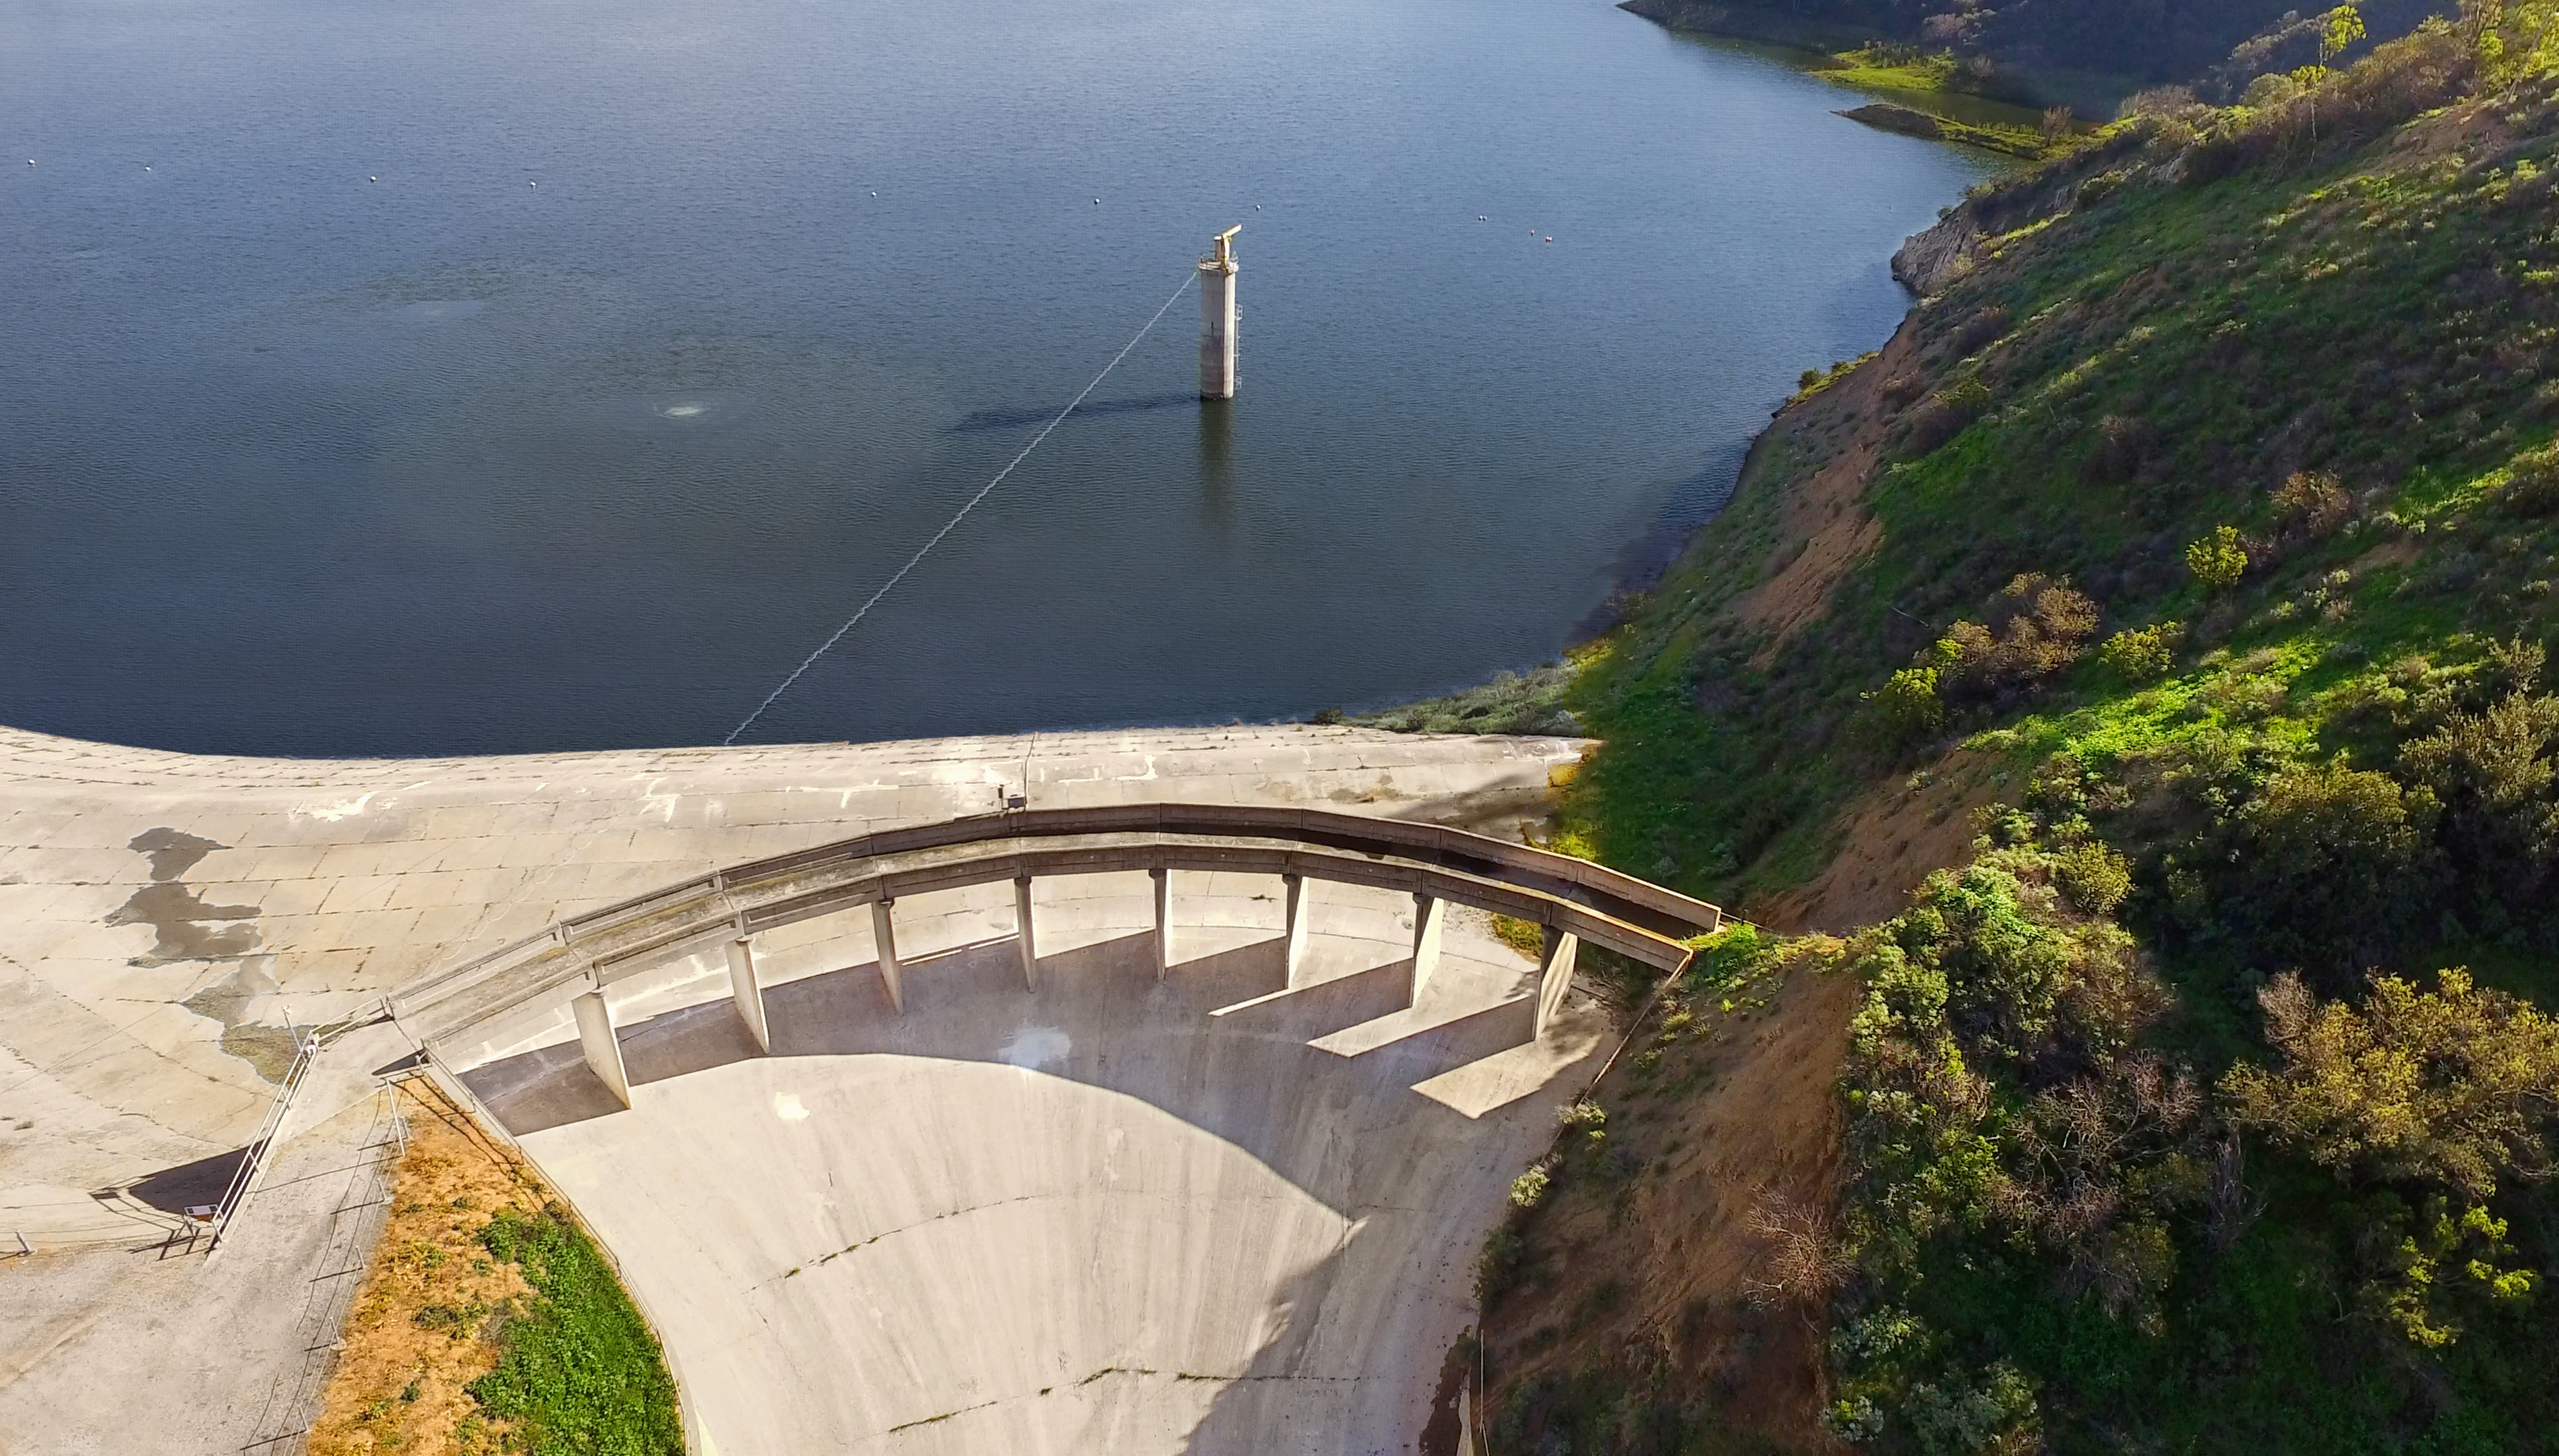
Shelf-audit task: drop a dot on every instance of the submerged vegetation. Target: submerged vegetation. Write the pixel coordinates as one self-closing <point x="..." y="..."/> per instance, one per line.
<point x="2206" y="527"/>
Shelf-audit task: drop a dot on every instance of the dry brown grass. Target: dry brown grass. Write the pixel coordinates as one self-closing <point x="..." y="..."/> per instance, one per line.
<point x="423" y="1325"/>
<point x="1662" y="1273"/>
<point x="1891" y="838"/>
<point x="1826" y="530"/>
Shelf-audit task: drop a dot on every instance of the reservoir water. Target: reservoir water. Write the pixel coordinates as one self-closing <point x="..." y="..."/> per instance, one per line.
<point x="491" y="375"/>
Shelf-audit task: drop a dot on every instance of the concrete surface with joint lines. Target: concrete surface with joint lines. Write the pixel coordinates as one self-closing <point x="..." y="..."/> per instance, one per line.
<point x="160" y="913"/>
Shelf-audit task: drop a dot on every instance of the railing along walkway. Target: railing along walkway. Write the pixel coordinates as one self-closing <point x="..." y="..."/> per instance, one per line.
<point x="1576" y="901"/>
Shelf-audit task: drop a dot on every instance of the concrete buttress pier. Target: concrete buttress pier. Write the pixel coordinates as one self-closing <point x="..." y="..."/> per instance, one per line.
<point x="1217" y="318"/>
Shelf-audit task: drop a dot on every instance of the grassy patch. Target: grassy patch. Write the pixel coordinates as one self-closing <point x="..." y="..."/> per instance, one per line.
<point x="580" y="1372"/>
<point x="1512" y="702"/>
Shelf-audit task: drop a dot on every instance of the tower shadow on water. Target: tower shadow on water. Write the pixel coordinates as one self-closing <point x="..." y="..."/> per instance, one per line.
<point x="1217" y="466"/>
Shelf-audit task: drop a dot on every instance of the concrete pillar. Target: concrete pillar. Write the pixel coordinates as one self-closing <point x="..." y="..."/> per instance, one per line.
<point x="1163" y="879"/>
<point x="748" y="990"/>
<point x="1555" y="973"/>
<point x="1022" y="932"/>
<point x="1296" y="887"/>
<point x="884" y="937"/>
<point x="1428" y="916"/>
<point x="603" y="1049"/>
<point x="1217" y="319"/>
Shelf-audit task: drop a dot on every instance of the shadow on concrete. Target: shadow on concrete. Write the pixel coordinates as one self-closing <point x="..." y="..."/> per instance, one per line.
<point x="1450" y="1045"/>
<point x="199" y="1184"/>
<point x="1323" y="1009"/>
<point x="1089" y="993"/>
<point x="1220" y="1043"/>
<point x="549" y="1086"/>
<point x="695" y="1039"/>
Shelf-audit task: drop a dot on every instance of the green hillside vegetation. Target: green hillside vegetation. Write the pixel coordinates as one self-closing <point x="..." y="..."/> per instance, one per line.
<point x="2036" y="52"/>
<point x="2213" y="531"/>
<point x="1937" y="84"/>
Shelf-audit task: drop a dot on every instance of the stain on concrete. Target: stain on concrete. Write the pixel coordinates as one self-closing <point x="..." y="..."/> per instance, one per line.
<point x="187" y="928"/>
<point x="265" y="1047"/>
<point x="173" y="852"/>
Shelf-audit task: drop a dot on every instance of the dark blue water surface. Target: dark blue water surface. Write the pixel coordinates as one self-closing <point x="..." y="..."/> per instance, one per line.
<point x="297" y="461"/>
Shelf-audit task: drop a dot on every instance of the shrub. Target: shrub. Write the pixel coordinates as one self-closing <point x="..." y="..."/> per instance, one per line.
<point x="2310" y="505"/>
<point x="2532" y="483"/>
<point x="1974" y="334"/>
<point x="2450" y="1089"/>
<point x="2095" y="877"/>
<point x="1529" y="1188"/>
<point x="1994" y="1414"/>
<point x="2125" y="443"/>
<point x="1907" y="708"/>
<point x="2427" y="1272"/>
<point x="2036" y="627"/>
<point x="2143" y="653"/>
<point x="2330" y="856"/>
<point x="1945" y="416"/>
<point x="2493" y="774"/>
<point x="1499" y="1266"/>
<point x="2216" y="560"/>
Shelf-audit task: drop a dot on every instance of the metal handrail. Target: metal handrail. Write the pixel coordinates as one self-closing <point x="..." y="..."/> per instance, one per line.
<point x="1621" y="895"/>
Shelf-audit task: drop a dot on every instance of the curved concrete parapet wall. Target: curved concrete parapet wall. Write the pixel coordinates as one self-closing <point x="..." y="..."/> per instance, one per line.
<point x="1575" y="900"/>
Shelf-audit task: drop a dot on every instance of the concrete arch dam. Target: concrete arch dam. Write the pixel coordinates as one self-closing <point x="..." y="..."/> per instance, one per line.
<point x="1157" y="1128"/>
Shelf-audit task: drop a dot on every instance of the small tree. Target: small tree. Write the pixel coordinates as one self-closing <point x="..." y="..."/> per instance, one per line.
<point x="2511" y="38"/>
<point x="2330" y="858"/>
<point x="2142" y="653"/>
<point x="1907" y="708"/>
<point x="2217" y="562"/>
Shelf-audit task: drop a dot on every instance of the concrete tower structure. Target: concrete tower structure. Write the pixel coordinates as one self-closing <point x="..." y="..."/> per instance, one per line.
<point x="1217" y="319"/>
